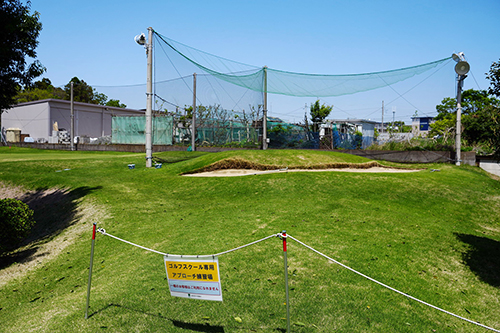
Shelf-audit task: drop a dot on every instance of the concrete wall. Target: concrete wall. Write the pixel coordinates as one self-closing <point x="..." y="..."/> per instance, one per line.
<point x="490" y="164"/>
<point x="133" y="148"/>
<point x="393" y="137"/>
<point x="414" y="156"/>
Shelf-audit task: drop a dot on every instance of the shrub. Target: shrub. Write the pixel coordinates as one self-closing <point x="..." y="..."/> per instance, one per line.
<point x="16" y="221"/>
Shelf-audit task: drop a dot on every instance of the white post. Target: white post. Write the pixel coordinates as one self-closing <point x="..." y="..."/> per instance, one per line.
<point x="149" y="105"/>
<point x="90" y="271"/>
<point x="287" y="298"/>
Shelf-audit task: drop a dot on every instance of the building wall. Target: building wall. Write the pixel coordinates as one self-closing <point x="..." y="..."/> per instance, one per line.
<point x="368" y="131"/>
<point x="32" y="119"/>
<point x="421" y="125"/>
<point x="37" y="118"/>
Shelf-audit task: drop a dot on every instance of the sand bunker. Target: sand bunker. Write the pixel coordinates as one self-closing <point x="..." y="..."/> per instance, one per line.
<point x="250" y="172"/>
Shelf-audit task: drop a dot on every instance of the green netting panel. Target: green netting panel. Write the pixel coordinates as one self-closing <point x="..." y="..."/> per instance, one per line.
<point x="220" y="134"/>
<point x="162" y="130"/>
<point x="315" y="85"/>
<point x="290" y="83"/>
<point x="131" y="130"/>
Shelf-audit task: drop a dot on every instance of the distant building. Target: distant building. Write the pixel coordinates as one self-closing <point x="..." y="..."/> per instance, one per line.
<point x="36" y="119"/>
<point x="350" y="126"/>
<point x="421" y="125"/>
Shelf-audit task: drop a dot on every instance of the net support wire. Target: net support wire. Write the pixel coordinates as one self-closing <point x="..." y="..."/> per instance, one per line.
<point x="390" y="288"/>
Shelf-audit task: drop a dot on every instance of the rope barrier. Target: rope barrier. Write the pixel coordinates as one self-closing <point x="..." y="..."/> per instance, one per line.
<point x="281" y="236"/>
<point x="390" y="288"/>
<point x="103" y="231"/>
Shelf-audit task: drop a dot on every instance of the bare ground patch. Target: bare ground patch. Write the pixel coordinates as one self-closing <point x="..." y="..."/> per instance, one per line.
<point x="61" y="215"/>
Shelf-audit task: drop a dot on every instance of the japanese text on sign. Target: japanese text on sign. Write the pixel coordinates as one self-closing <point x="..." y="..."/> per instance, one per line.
<point x="196" y="278"/>
<point x="192" y="271"/>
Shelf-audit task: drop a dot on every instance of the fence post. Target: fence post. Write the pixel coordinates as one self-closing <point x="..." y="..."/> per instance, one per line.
<point x="286" y="282"/>
<point x="90" y="272"/>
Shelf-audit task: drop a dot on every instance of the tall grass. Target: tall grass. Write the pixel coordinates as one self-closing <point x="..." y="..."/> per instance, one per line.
<point x="434" y="235"/>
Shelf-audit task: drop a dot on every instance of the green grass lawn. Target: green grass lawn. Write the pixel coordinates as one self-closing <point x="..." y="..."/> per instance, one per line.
<point x="433" y="235"/>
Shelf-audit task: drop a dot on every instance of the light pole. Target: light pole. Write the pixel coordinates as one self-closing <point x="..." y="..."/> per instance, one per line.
<point x="461" y="68"/>
<point x="264" y="116"/>
<point x="141" y="40"/>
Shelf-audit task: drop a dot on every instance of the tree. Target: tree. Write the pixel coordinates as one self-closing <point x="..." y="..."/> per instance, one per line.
<point x="319" y="114"/>
<point x="494" y="76"/>
<point x="480" y="118"/>
<point x="82" y="92"/>
<point x="494" y="89"/>
<point x="19" y="31"/>
<point x="483" y="127"/>
<point x="116" y="103"/>
<point x="40" y="90"/>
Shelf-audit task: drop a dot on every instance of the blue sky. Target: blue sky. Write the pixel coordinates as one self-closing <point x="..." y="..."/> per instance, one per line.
<point x="93" y="40"/>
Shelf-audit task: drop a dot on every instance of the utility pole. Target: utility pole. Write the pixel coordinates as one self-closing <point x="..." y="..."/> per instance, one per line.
<point x="193" y="131"/>
<point x="393" y="118"/>
<point x="149" y="104"/>
<point x="382" y="128"/>
<point x="72" y="125"/>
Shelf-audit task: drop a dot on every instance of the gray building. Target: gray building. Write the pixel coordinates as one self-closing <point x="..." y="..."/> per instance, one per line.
<point x="36" y="119"/>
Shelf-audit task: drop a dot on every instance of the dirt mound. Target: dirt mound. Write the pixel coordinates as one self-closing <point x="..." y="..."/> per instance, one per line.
<point x="237" y="163"/>
<point x="231" y="167"/>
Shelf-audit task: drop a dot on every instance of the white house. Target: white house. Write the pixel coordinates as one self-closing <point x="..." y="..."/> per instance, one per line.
<point x="421" y="125"/>
<point x="36" y="119"/>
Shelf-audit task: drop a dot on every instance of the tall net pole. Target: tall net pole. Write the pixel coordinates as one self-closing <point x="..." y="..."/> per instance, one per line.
<point x="149" y="104"/>
<point x="193" y="133"/>
<point x="264" y="117"/>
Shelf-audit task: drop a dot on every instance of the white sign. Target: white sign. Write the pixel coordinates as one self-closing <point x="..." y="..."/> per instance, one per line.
<point x="194" y="278"/>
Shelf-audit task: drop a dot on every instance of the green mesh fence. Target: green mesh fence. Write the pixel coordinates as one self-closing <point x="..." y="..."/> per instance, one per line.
<point x="214" y="132"/>
<point x="230" y="96"/>
<point x="131" y="130"/>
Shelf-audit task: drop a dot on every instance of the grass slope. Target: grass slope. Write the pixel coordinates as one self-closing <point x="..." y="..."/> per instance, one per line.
<point x="434" y="235"/>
